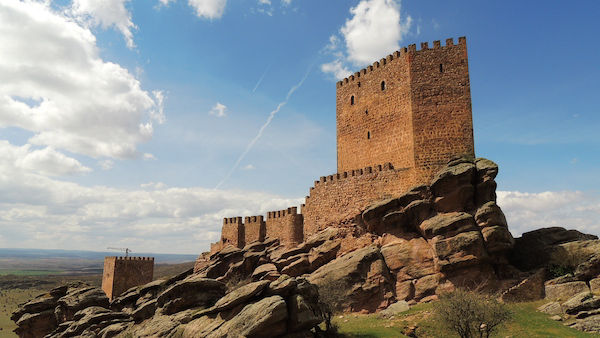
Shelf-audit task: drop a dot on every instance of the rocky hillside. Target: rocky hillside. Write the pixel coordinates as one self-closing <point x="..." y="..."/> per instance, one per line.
<point x="187" y="305"/>
<point x="431" y="240"/>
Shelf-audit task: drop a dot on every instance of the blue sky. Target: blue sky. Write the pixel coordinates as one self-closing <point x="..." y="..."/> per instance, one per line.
<point x="119" y="118"/>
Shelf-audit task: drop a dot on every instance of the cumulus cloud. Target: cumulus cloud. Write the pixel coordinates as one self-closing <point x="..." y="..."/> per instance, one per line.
<point x="374" y="30"/>
<point x="107" y="13"/>
<point x="45" y="161"/>
<point x="218" y="110"/>
<point x="569" y="209"/>
<point x="286" y="2"/>
<point x="337" y="68"/>
<point x="40" y="212"/>
<point x="56" y="85"/>
<point x="210" y="9"/>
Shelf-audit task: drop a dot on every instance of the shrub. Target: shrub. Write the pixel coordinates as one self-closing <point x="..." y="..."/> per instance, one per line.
<point x="564" y="261"/>
<point x="470" y="314"/>
<point x="333" y="294"/>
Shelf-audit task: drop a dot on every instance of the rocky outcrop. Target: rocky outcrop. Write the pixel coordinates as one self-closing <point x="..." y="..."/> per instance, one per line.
<point x="191" y="307"/>
<point x="412" y="247"/>
<point x="406" y="249"/>
<point x="580" y="311"/>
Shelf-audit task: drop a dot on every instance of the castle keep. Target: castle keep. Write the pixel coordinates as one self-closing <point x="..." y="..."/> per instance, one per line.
<point x="398" y="122"/>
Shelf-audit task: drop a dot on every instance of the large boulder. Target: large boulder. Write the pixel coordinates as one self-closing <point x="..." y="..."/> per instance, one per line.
<point x="360" y="280"/>
<point x="448" y="225"/>
<point x="36" y="324"/>
<point x="453" y="188"/>
<point x="565" y="291"/>
<point x="534" y="249"/>
<point x="194" y="291"/>
<point x="463" y="250"/>
<point x="79" y="299"/>
<point x="265" y="318"/>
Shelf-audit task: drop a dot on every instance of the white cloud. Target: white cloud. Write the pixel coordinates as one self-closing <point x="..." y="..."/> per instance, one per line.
<point x="286" y="2"/>
<point x="568" y="209"/>
<point x="56" y="85"/>
<point x="165" y="2"/>
<point x="336" y="68"/>
<point x="210" y="9"/>
<point x="106" y="164"/>
<point x="106" y="13"/>
<point x="264" y="2"/>
<point x="249" y="167"/>
<point x="40" y="212"/>
<point x="148" y="157"/>
<point x="374" y="31"/>
<point x="45" y="161"/>
<point x="218" y="110"/>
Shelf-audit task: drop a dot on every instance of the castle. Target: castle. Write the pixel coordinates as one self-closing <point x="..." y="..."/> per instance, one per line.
<point x="398" y="122"/>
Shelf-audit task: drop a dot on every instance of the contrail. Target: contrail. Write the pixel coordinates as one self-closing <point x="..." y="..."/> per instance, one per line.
<point x="262" y="129"/>
<point x="261" y="78"/>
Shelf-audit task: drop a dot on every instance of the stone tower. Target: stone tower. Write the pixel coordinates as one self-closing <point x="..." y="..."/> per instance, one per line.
<point x="122" y="273"/>
<point x="412" y="109"/>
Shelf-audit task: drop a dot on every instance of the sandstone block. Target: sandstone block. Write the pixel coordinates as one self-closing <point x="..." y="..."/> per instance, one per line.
<point x="565" y="291"/>
<point x="447" y="225"/>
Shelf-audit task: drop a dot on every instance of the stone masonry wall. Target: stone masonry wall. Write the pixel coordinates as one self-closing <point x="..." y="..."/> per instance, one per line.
<point x="338" y="198"/>
<point x="286" y="225"/>
<point x="122" y="273"/>
<point x="374" y="124"/>
<point x="233" y="232"/>
<point x="255" y="229"/>
<point x="412" y="109"/>
<point x="441" y="106"/>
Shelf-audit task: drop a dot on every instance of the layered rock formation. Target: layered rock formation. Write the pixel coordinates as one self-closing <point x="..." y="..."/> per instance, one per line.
<point x="187" y="305"/>
<point x="411" y="248"/>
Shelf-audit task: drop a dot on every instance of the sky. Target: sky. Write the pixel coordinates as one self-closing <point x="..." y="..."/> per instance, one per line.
<point x="142" y="123"/>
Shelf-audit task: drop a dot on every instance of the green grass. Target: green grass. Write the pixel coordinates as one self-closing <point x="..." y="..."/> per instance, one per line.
<point x="6" y="272"/>
<point x="526" y="322"/>
<point x="9" y="301"/>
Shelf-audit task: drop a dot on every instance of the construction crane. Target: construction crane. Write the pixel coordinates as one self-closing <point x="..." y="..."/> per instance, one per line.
<point x="127" y="250"/>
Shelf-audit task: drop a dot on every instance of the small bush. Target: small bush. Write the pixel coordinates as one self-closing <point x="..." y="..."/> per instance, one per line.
<point x="333" y="294"/>
<point x="564" y="261"/>
<point x="470" y="314"/>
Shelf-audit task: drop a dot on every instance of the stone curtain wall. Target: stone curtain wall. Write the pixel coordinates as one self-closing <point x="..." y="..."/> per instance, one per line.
<point x="412" y="108"/>
<point x="122" y="273"/>
<point x="286" y="225"/>
<point x="441" y="106"/>
<point x="338" y="198"/>
<point x="254" y="229"/>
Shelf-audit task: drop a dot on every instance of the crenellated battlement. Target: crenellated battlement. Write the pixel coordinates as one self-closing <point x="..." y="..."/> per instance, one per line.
<point x="254" y="219"/>
<point x="233" y="220"/>
<point x="130" y="258"/>
<point x="404" y="51"/>
<point x="282" y="213"/>
<point x="356" y="172"/>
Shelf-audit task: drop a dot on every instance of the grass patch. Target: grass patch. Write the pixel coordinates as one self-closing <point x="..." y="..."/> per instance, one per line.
<point x="6" y="272"/>
<point x="9" y="302"/>
<point x="526" y="322"/>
